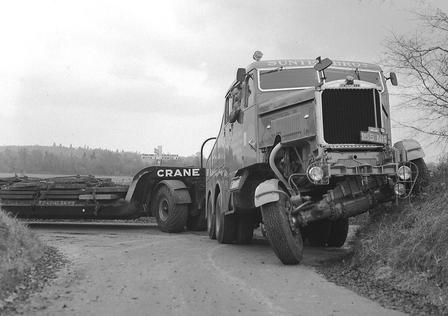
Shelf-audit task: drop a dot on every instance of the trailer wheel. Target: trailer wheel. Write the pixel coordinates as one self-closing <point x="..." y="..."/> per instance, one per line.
<point x="318" y="233"/>
<point x="171" y="217"/>
<point x="338" y="233"/>
<point x="225" y="224"/>
<point x="286" y="243"/>
<point x="211" y="220"/>
<point x="244" y="230"/>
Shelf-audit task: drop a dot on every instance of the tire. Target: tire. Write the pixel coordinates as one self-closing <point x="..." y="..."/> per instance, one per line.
<point x="225" y="224"/>
<point x="211" y="220"/>
<point x="318" y="233"/>
<point x="171" y="217"/>
<point x="244" y="230"/>
<point x="338" y="233"/>
<point x="422" y="177"/>
<point x="198" y="222"/>
<point x="287" y="244"/>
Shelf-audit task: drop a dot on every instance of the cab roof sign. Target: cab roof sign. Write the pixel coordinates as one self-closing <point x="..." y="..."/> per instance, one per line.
<point x="311" y="63"/>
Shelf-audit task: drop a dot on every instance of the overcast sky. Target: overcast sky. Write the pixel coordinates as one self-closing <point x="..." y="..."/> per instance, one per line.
<point x="132" y="75"/>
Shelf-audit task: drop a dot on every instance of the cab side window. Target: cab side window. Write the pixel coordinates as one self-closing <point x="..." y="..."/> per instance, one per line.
<point x="236" y="93"/>
<point x="229" y="107"/>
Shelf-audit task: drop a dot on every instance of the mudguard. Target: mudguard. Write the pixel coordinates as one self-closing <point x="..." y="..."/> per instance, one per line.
<point x="409" y="150"/>
<point x="267" y="192"/>
<point x="178" y="189"/>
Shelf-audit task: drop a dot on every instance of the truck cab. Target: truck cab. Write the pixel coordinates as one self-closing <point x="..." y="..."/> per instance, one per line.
<point x="299" y="137"/>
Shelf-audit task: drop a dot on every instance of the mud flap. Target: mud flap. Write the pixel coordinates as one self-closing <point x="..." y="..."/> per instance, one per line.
<point x="267" y="192"/>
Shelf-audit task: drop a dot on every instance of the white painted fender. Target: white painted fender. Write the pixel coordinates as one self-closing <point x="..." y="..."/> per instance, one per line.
<point x="267" y="192"/>
<point x="409" y="149"/>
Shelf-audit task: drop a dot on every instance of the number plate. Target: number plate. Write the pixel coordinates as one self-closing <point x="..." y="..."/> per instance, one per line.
<point x="373" y="137"/>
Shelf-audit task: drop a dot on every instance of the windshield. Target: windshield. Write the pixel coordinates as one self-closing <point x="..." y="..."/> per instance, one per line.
<point x="365" y="75"/>
<point x="286" y="78"/>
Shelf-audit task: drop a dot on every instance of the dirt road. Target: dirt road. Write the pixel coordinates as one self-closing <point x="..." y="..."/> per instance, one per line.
<point x="131" y="270"/>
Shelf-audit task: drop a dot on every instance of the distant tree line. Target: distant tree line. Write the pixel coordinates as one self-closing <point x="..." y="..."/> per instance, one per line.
<point x="82" y="160"/>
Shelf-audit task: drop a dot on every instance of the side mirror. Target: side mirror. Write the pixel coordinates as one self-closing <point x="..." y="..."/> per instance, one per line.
<point x="233" y="117"/>
<point x="323" y="64"/>
<point x="240" y="74"/>
<point x="393" y="79"/>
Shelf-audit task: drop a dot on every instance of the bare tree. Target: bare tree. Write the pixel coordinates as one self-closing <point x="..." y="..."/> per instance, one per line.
<point x="421" y="59"/>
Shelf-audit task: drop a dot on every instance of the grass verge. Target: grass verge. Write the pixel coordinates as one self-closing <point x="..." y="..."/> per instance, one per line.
<point x="19" y="251"/>
<point x="407" y="246"/>
<point x="400" y="253"/>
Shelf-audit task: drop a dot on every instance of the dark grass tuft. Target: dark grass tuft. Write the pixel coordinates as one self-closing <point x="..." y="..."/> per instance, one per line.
<point x="19" y="250"/>
<point x="408" y="244"/>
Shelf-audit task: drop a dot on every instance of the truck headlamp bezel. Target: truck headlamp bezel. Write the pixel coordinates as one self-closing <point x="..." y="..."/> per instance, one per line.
<point x="404" y="173"/>
<point x="316" y="174"/>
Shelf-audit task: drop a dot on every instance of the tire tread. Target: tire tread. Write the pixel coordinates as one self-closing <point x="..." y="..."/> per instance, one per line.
<point x="177" y="215"/>
<point x="287" y="247"/>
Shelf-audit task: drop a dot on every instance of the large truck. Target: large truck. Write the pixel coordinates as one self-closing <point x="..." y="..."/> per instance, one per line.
<point x="173" y="195"/>
<point x="303" y="146"/>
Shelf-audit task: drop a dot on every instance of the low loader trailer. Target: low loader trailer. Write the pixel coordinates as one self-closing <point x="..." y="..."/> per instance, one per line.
<point x="175" y="196"/>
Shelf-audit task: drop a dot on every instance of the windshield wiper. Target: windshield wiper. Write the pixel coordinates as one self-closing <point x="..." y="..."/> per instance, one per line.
<point x="272" y="70"/>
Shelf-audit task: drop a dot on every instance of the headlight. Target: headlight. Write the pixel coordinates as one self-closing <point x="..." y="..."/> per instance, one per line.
<point x="404" y="173"/>
<point x="316" y="173"/>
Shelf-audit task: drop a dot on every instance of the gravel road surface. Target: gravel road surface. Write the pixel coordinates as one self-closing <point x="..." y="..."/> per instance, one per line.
<point x="138" y="270"/>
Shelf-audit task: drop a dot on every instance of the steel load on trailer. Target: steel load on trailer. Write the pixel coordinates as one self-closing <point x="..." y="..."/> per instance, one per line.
<point x="64" y="197"/>
<point x="175" y="196"/>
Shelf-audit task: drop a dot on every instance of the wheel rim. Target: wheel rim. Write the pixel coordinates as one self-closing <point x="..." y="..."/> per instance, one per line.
<point x="163" y="209"/>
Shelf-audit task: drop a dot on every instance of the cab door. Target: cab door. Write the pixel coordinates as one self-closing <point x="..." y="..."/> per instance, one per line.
<point x="228" y="138"/>
<point x="235" y="153"/>
<point x="249" y="121"/>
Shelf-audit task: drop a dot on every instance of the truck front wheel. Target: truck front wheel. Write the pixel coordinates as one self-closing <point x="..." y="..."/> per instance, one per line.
<point x="286" y="243"/>
<point x="338" y="233"/>
<point x="171" y="217"/>
<point x="419" y="167"/>
<point x="318" y="233"/>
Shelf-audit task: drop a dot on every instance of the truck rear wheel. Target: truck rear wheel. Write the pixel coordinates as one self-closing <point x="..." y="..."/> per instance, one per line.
<point x="171" y="217"/>
<point x="338" y="233"/>
<point x="286" y="243"/>
<point x="211" y="220"/>
<point x="318" y="233"/>
<point x="244" y="230"/>
<point x="225" y="224"/>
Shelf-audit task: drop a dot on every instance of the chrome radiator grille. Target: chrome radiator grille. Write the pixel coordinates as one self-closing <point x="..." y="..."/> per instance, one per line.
<point x="347" y="112"/>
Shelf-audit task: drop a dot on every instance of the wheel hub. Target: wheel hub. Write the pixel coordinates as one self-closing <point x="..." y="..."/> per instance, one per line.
<point x="163" y="209"/>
